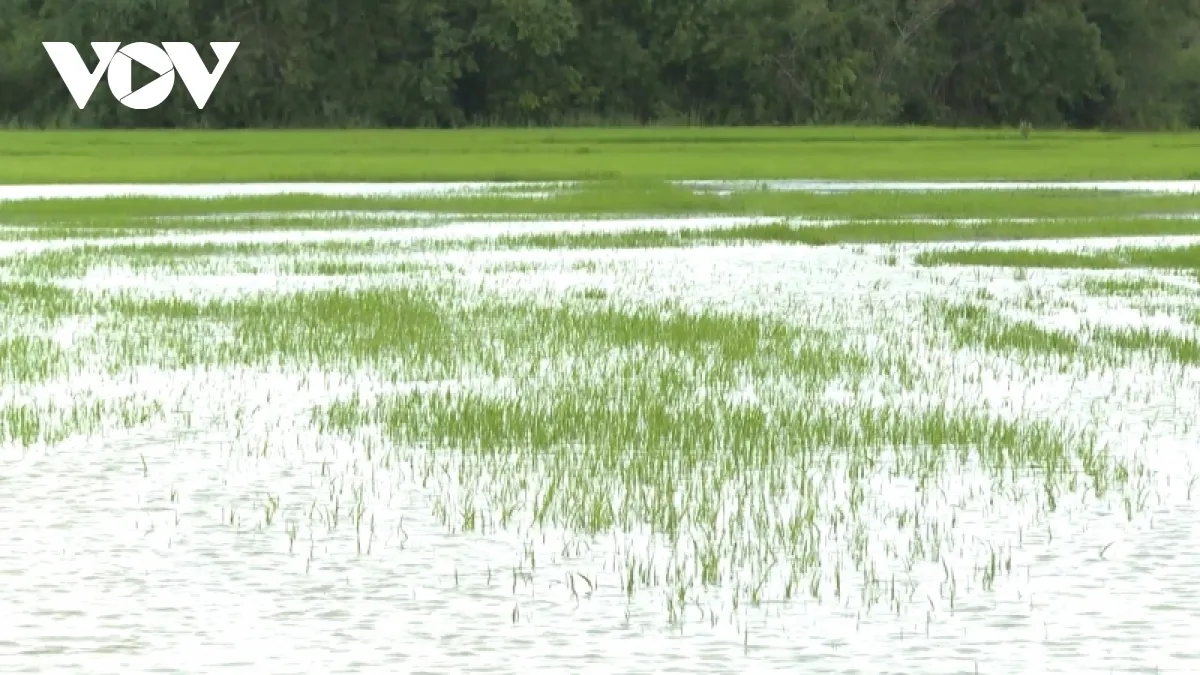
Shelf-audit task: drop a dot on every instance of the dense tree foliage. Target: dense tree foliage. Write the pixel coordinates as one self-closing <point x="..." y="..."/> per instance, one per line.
<point x="325" y="63"/>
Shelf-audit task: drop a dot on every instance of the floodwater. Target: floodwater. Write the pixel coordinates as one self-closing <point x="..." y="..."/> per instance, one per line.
<point x="143" y="552"/>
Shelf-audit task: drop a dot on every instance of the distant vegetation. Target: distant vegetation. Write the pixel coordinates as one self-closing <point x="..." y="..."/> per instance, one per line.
<point x="447" y="63"/>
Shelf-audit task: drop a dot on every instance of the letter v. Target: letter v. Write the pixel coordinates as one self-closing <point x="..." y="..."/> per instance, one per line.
<point x="74" y="72"/>
<point x="196" y="78"/>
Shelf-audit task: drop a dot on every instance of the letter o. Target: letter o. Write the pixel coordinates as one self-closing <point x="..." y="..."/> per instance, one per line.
<point x="120" y="76"/>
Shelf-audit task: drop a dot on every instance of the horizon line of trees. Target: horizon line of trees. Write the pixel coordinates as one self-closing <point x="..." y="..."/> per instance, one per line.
<point x="1130" y="64"/>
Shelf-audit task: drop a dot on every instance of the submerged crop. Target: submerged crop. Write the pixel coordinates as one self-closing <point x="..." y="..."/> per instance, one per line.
<point x="558" y="422"/>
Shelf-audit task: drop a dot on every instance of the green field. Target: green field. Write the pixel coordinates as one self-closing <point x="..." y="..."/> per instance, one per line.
<point x="642" y="153"/>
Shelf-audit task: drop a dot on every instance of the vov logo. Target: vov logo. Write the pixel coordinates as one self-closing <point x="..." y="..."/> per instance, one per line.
<point x="117" y="61"/>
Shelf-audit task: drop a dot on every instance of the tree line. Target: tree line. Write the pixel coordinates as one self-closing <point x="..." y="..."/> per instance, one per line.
<point x="448" y="63"/>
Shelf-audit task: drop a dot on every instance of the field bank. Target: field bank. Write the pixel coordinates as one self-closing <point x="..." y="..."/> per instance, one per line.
<point x="580" y="154"/>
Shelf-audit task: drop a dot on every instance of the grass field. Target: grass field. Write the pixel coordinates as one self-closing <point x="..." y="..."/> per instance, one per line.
<point x="642" y="153"/>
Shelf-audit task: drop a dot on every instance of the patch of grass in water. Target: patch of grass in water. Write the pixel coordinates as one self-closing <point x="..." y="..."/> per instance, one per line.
<point x="26" y="425"/>
<point x="643" y="440"/>
<point x="336" y="328"/>
<point x="432" y="333"/>
<point x="28" y="359"/>
<point x="336" y="268"/>
<point x="784" y="232"/>
<point x="1128" y="287"/>
<point x="974" y="325"/>
<point x="78" y="261"/>
<point x="53" y="232"/>
<point x="1173" y="258"/>
<point x="994" y="230"/>
<point x="656" y="443"/>
<point x="43" y="299"/>
<point x="48" y="264"/>
<point x="1177" y="348"/>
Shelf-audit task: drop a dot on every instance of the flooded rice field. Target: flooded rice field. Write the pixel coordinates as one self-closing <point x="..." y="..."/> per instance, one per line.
<point x="453" y="447"/>
<point x="525" y="188"/>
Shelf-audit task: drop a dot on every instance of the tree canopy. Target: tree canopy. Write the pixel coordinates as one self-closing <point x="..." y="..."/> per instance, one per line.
<point x="449" y="63"/>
